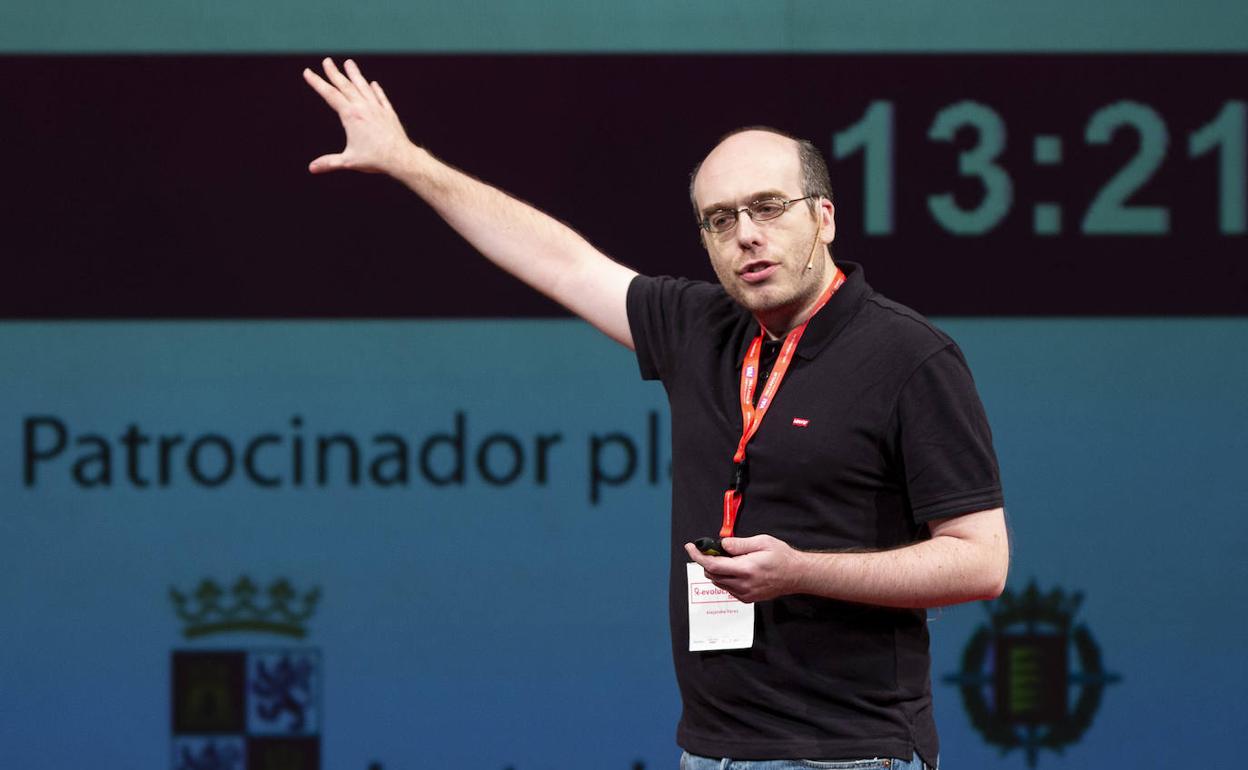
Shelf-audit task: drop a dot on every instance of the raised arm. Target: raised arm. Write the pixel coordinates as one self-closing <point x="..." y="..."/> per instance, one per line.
<point x="536" y="248"/>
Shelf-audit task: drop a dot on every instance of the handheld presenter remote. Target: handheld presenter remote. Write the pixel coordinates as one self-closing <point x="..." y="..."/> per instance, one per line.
<point x="710" y="546"/>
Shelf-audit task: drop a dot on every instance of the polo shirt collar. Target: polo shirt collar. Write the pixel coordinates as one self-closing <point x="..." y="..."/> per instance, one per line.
<point x="831" y="319"/>
<point x="836" y="315"/>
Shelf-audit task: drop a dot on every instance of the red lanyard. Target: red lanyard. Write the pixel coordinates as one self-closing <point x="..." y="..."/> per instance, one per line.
<point x="752" y="416"/>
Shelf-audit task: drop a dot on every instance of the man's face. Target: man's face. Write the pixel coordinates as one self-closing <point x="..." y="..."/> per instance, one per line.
<point x="762" y="265"/>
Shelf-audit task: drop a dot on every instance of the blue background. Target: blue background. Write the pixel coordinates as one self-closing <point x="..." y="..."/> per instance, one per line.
<point x="1120" y="443"/>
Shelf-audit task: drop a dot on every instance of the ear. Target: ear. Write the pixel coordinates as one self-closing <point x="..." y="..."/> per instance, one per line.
<point x="827" y="221"/>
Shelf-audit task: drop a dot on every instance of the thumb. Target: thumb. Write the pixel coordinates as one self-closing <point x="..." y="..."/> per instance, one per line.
<point x="736" y="546"/>
<point x="325" y="163"/>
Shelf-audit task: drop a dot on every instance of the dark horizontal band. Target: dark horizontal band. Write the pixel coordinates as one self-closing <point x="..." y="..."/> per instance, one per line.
<point x="176" y="186"/>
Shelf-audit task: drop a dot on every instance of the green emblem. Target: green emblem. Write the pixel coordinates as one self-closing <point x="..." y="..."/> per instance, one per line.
<point x="212" y="612"/>
<point x="1017" y="674"/>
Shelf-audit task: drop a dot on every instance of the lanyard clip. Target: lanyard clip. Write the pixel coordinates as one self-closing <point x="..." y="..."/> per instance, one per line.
<point x="739" y="477"/>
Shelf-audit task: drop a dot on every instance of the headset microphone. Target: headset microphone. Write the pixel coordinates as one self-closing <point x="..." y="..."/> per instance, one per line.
<point x="810" y="263"/>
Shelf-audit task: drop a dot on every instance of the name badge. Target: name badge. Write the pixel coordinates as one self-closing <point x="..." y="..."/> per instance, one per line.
<point x="717" y="621"/>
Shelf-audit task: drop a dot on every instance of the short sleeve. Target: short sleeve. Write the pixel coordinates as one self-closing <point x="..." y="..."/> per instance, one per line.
<point x="661" y="313"/>
<point x="944" y="440"/>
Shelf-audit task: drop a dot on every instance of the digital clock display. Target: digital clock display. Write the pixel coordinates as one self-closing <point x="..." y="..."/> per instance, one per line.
<point x="1049" y="185"/>
<point x="967" y="184"/>
<point x="1110" y="212"/>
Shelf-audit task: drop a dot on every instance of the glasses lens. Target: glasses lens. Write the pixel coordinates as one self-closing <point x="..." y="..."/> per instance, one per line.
<point x="721" y="221"/>
<point x="766" y="209"/>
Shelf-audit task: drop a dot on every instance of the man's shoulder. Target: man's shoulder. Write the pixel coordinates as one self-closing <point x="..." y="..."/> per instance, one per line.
<point x="666" y="287"/>
<point x="901" y="326"/>
<point x="682" y="300"/>
<point x="672" y="317"/>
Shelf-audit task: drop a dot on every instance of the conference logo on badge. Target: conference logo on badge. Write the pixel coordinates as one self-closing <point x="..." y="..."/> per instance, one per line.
<point x="246" y="709"/>
<point x="1031" y="678"/>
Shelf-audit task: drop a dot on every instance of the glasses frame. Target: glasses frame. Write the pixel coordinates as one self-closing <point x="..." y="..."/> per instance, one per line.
<point x="785" y="203"/>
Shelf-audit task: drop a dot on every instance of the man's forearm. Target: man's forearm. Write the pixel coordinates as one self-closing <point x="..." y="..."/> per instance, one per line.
<point x="531" y="245"/>
<point x="933" y="573"/>
<point x="967" y="558"/>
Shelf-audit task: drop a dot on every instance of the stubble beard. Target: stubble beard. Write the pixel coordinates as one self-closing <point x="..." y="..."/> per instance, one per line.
<point x="784" y="295"/>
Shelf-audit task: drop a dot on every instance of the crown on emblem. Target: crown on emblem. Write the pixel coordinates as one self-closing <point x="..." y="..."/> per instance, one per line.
<point x="1056" y="608"/>
<point x="210" y="611"/>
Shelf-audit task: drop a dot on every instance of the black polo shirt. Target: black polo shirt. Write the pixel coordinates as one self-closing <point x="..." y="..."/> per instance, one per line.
<point x="876" y="429"/>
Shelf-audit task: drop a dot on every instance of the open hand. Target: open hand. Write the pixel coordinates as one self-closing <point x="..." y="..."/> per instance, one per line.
<point x="760" y="567"/>
<point x="376" y="140"/>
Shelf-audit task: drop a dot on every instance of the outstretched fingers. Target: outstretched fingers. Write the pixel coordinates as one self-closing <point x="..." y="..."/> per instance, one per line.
<point x="332" y="96"/>
<point x="361" y="85"/>
<point x="375" y="137"/>
<point x="339" y="80"/>
<point x="381" y="96"/>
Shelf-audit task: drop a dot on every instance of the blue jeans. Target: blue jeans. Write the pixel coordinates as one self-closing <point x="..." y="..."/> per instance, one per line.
<point x="694" y="762"/>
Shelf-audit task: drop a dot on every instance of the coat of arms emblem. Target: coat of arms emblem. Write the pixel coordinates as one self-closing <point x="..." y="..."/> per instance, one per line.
<point x="246" y="709"/>
<point x="1021" y="686"/>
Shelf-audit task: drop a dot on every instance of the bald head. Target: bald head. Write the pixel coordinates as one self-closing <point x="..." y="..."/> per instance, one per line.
<point x="745" y="149"/>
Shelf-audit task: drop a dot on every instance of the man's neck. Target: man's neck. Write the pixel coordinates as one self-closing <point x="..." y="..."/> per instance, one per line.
<point x="778" y="325"/>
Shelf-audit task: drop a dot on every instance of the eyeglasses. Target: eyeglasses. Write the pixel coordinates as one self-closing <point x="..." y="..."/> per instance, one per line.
<point x="723" y="220"/>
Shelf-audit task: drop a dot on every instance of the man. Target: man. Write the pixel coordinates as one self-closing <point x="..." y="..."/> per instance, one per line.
<point x="871" y="492"/>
